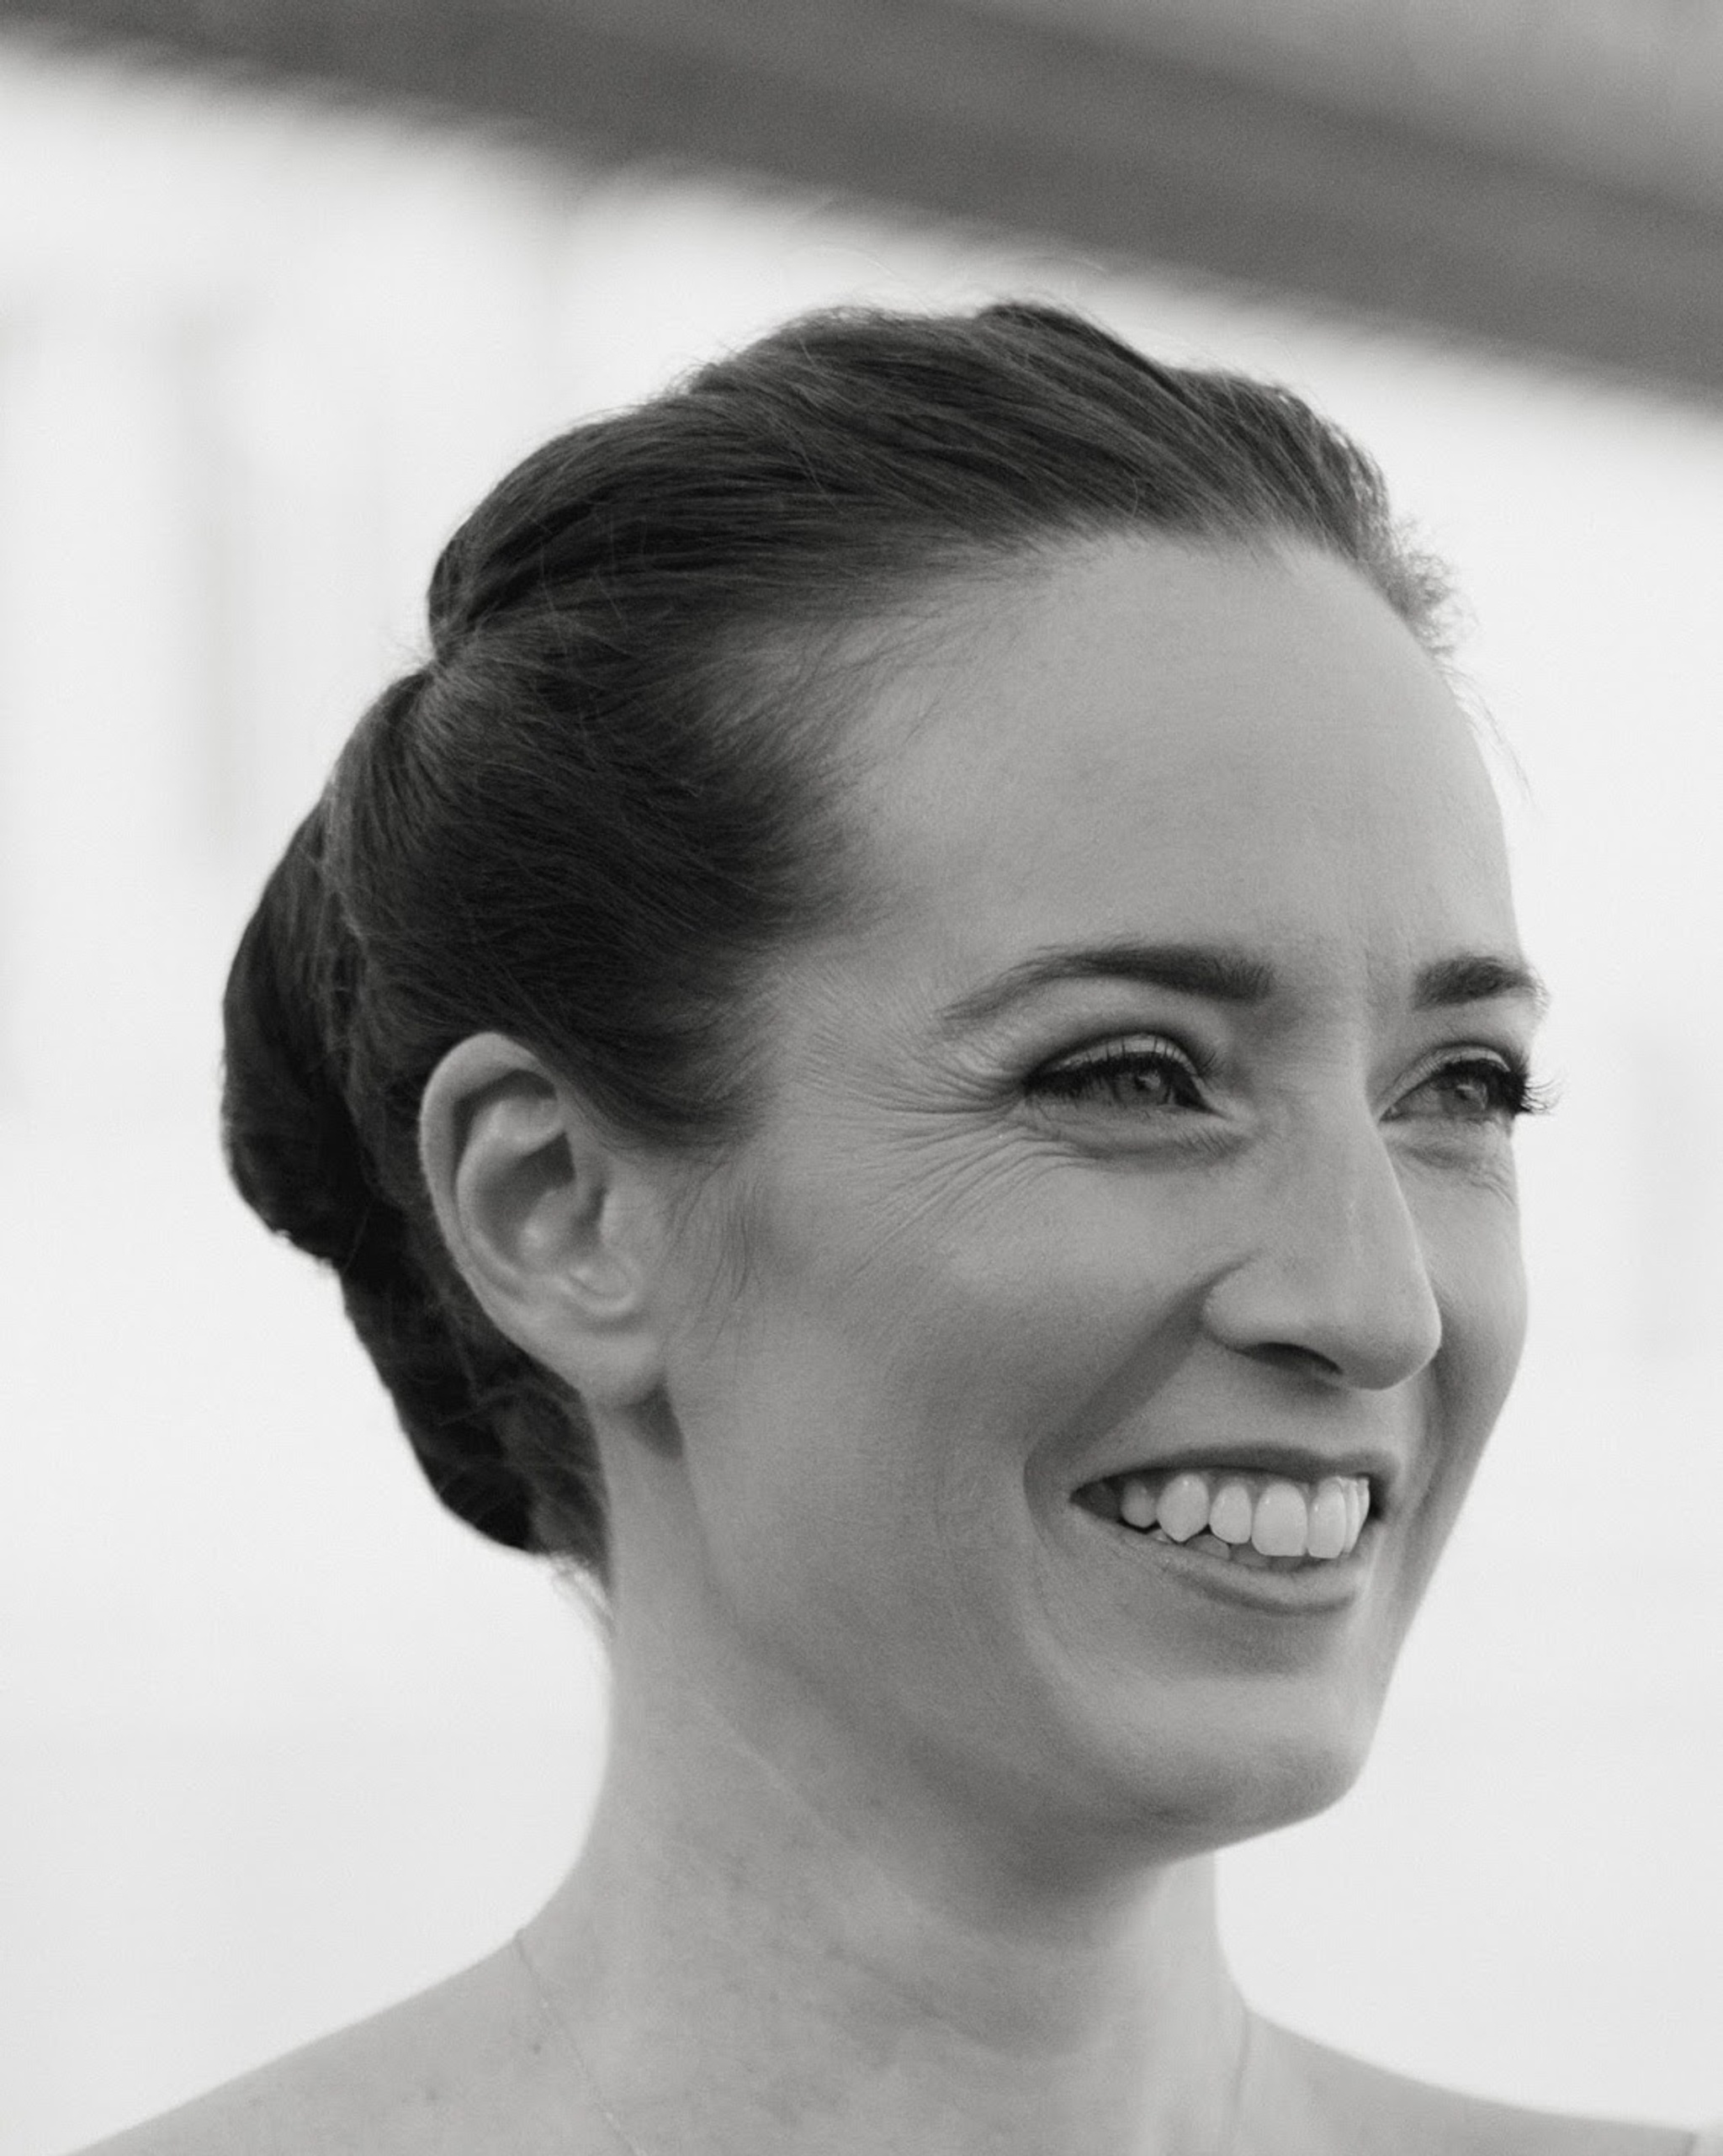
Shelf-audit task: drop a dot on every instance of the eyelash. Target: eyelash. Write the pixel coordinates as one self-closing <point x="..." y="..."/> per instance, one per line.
<point x="1512" y="1090"/>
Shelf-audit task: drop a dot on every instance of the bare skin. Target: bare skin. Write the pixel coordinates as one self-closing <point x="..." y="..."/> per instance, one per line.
<point x="917" y="1768"/>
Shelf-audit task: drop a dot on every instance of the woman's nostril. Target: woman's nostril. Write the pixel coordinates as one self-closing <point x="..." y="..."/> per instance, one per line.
<point x="1290" y="1355"/>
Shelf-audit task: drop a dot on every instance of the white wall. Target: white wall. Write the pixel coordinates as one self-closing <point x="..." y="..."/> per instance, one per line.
<point x="278" y="1741"/>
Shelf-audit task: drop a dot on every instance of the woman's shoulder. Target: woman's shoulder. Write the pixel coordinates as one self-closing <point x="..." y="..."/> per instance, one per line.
<point x="1346" y="2102"/>
<point x="462" y="2067"/>
<point x="455" y="2069"/>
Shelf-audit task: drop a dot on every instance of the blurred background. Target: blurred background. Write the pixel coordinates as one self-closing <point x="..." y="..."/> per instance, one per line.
<point x="283" y="289"/>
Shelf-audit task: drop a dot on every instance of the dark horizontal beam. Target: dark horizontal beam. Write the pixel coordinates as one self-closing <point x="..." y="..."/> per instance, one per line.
<point x="1042" y="127"/>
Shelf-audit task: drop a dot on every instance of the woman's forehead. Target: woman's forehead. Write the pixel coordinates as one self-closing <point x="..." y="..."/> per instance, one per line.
<point x="1194" y="743"/>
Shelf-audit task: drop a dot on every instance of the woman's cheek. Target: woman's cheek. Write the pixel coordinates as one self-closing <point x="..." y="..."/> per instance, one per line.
<point x="1474" y="1253"/>
<point x="1472" y="1236"/>
<point x="1050" y="1323"/>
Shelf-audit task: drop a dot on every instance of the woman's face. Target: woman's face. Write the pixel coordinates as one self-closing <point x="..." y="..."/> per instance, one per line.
<point x="1154" y="1114"/>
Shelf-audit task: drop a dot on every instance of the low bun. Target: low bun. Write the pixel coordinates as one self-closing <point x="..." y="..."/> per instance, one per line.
<point x="292" y="1146"/>
<point x="296" y="1155"/>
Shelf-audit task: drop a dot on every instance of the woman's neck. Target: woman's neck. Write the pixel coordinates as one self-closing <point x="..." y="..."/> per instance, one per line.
<point x="833" y="1967"/>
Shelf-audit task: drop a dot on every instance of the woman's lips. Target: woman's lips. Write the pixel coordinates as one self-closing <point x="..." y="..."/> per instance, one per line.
<point x="1234" y="1574"/>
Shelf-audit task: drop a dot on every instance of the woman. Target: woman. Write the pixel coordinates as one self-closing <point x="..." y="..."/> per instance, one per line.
<point x="906" y="1044"/>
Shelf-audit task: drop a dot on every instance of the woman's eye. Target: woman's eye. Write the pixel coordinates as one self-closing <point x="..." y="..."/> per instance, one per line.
<point x="1132" y="1075"/>
<point x="1476" y="1089"/>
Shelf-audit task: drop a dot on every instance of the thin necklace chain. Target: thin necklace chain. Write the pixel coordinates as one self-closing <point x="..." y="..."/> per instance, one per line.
<point x="565" y="2029"/>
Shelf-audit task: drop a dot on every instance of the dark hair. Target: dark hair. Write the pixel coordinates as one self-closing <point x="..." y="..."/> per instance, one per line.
<point x="613" y="788"/>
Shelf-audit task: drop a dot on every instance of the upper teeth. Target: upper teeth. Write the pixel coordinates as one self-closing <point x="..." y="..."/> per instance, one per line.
<point x="1278" y="1518"/>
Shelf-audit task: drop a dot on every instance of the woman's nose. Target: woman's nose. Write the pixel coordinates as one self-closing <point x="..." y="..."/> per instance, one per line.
<point x="1334" y="1275"/>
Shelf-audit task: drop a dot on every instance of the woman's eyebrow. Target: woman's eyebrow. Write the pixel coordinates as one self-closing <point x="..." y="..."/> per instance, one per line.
<point x="1223" y="973"/>
<point x="1478" y="977"/>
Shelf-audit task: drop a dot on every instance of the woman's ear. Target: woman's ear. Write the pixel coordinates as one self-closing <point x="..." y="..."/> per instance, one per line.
<point x="549" y="1220"/>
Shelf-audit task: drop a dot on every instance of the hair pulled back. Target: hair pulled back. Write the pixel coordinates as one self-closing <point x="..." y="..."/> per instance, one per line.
<point x="613" y="789"/>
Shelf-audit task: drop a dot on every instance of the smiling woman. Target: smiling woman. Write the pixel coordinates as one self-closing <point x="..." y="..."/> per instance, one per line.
<point x="906" y="1044"/>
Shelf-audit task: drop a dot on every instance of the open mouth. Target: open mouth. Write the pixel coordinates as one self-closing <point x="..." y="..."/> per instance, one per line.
<point x="1261" y="1522"/>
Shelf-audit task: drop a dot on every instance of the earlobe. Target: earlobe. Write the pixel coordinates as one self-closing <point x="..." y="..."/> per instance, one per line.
<point x="546" y="1216"/>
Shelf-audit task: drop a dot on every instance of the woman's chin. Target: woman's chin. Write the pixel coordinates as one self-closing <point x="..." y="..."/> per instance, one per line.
<point x="1293" y="1781"/>
<point x="1192" y="1781"/>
